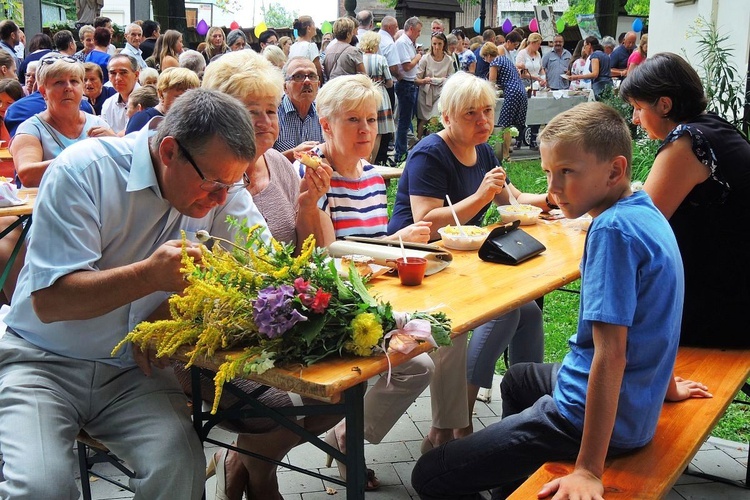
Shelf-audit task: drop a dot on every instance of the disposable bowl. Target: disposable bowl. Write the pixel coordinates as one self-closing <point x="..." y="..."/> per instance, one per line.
<point x="452" y="238"/>
<point x="527" y="214"/>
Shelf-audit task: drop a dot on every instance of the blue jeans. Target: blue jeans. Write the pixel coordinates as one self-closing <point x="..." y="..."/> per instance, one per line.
<point x="521" y="330"/>
<point x="407" y="99"/>
<point x="531" y="432"/>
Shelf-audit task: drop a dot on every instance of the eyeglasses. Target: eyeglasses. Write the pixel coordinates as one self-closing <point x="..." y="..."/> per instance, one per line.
<point x="214" y="186"/>
<point x="52" y="59"/>
<point x="300" y="77"/>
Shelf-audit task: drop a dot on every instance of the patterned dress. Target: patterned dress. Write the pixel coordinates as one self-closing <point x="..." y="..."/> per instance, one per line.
<point x="376" y="67"/>
<point x="515" y="102"/>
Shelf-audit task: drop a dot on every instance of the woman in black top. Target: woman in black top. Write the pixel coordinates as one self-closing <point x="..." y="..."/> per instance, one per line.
<point x="700" y="181"/>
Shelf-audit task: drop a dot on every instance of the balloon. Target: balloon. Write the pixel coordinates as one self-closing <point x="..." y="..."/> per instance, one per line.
<point x="560" y="25"/>
<point x="326" y="27"/>
<point x="295" y="33"/>
<point x="477" y="25"/>
<point x="637" y="25"/>
<point x="507" y="26"/>
<point x="260" y="28"/>
<point x="202" y="27"/>
<point x="534" y="25"/>
<point x="235" y="25"/>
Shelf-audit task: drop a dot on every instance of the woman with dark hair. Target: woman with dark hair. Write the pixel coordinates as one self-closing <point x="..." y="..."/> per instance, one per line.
<point x="305" y="46"/>
<point x="432" y="71"/>
<point x="467" y="60"/>
<point x="215" y="43"/>
<point x="700" y="180"/>
<point x="39" y="45"/>
<point x="236" y="40"/>
<point x="599" y="74"/>
<point x="102" y="37"/>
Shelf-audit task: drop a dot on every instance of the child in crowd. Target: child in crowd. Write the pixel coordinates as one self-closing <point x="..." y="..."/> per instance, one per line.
<point x="606" y="396"/>
<point x="142" y="98"/>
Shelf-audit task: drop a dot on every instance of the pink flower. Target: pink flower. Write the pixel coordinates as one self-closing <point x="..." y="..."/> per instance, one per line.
<point x="320" y="303"/>
<point x="301" y="285"/>
<point x="306" y="299"/>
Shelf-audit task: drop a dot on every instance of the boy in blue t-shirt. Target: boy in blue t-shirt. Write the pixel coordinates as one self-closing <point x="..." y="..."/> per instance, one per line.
<point x="605" y="398"/>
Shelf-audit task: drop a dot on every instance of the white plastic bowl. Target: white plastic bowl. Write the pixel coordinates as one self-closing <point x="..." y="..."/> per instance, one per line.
<point x="452" y="238"/>
<point x="527" y="214"/>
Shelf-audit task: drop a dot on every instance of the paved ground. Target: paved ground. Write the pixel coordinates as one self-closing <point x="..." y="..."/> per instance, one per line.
<point x="394" y="458"/>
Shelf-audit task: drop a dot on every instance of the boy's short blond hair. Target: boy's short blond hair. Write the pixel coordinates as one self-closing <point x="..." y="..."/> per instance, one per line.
<point x="595" y="128"/>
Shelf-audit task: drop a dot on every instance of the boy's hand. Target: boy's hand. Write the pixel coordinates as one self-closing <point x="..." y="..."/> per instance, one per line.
<point x="580" y="485"/>
<point x="680" y="389"/>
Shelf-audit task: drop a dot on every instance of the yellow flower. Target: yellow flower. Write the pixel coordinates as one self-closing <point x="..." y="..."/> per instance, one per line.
<point x="366" y="333"/>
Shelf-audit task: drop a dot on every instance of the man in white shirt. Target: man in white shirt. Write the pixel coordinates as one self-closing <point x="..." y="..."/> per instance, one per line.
<point x="406" y="89"/>
<point x="388" y="28"/>
<point x="123" y="74"/>
<point x="133" y="37"/>
<point x="107" y="227"/>
<point x="364" y="22"/>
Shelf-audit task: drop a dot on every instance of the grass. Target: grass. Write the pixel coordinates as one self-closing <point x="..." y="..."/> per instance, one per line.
<point x="561" y="311"/>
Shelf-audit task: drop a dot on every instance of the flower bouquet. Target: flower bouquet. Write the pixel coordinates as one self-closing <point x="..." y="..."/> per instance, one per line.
<point x="271" y="307"/>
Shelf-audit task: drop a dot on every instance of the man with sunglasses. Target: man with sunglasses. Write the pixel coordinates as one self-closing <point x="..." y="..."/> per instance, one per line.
<point x="104" y="254"/>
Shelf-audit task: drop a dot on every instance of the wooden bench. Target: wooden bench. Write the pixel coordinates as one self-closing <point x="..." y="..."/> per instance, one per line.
<point x="683" y="427"/>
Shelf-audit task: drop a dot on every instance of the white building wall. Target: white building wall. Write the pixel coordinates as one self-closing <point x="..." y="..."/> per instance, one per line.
<point x="670" y="23"/>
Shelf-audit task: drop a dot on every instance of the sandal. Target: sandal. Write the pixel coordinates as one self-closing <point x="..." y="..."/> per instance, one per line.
<point x="330" y="439"/>
<point x="217" y="467"/>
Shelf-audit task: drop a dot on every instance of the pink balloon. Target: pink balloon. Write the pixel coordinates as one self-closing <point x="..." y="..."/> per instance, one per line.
<point x="235" y="25"/>
<point x="507" y="26"/>
<point x="534" y="25"/>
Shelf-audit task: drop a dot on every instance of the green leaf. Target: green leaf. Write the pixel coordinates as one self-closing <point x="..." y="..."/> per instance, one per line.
<point x="359" y="286"/>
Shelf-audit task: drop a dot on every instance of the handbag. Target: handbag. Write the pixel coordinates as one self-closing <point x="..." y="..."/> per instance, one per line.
<point x="510" y="245"/>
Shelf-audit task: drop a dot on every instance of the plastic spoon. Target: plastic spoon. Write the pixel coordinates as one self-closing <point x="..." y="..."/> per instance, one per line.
<point x="511" y="196"/>
<point x="455" y="216"/>
<point x="403" y="250"/>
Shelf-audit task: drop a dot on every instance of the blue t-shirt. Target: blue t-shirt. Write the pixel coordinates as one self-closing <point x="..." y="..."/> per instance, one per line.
<point x="631" y="275"/>
<point x="605" y="75"/>
<point x="102" y="59"/>
<point x="482" y="69"/>
<point x="140" y="119"/>
<point x="28" y="106"/>
<point x="618" y="59"/>
<point x="433" y="170"/>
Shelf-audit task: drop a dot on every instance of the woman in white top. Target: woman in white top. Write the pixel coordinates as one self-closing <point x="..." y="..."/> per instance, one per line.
<point x="529" y="63"/>
<point x="305" y="46"/>
<point x="579" y="66"/>
<point x="432" y="71"/>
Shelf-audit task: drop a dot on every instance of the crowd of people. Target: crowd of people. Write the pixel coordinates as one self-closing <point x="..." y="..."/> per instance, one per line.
<point x="130" y="147"/>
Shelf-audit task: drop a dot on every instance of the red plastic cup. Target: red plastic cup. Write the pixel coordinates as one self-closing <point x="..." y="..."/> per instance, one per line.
<point x="410" y="271"/>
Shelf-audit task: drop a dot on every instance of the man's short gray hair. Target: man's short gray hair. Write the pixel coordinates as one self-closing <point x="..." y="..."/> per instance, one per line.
<point x="193" y="60"/>
<point x="608" y="41"/>
<point x="411" y="23"/>
<point x="131" y="26"/>
<point x="289" y="61"/>
<point x="199" y="115"/>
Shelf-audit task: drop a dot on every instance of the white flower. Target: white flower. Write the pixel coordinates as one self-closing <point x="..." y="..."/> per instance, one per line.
<point x="203" y="236"/>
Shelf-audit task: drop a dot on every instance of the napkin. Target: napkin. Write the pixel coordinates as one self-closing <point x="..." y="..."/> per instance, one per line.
<point x="9" y="194"/>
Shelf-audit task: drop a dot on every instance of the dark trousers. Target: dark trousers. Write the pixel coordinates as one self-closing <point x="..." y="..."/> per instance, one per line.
<point x="405" y="91"/>
<point x="496" y="458"/>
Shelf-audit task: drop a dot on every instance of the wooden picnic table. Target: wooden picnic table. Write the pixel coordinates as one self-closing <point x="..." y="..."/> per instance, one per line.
<point x="23" y="214"/>
<point x="469" y="291"/>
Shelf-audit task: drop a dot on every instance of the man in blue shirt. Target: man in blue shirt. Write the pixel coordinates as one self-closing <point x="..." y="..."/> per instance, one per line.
<point x="556" y="63"/>
<point x="299" y="128"/>
<point x="104" y="254"/>
<point x="618" y="59"/>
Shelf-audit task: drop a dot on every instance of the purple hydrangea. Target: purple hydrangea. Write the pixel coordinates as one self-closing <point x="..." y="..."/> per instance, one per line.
<point x="274" y="311"/>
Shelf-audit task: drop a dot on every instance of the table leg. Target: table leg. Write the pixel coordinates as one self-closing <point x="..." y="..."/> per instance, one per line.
<point x="17" y="247"/>
<point x="356" y="472"/>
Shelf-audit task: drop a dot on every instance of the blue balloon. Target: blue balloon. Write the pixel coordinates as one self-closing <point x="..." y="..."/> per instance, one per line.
<point x="295" y="33"/>
<point x="478" y="25"/>
<point x="637" y="25"/>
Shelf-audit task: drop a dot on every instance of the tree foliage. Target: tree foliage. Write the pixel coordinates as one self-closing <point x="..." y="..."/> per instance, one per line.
<point x="578" y="7"/>
<point x="276" y="16"/>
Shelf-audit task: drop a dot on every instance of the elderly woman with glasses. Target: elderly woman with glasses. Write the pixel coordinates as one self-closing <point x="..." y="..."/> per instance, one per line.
<point x="42" y="137"/>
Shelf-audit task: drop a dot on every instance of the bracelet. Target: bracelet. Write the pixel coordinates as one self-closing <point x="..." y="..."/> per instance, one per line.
<point x="551" y="206"/>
